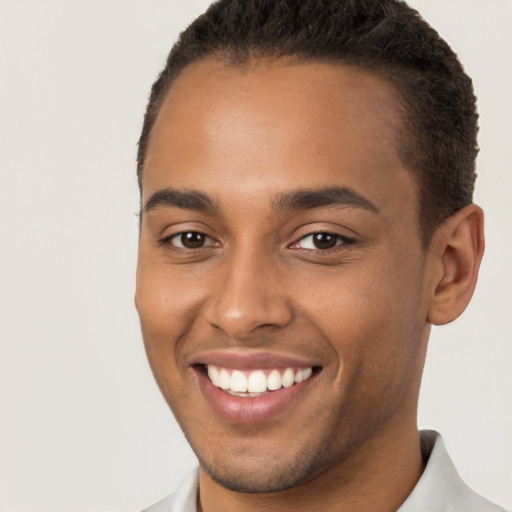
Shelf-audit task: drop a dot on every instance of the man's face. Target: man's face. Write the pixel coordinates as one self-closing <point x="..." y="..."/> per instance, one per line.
<point x="280" y="241"/>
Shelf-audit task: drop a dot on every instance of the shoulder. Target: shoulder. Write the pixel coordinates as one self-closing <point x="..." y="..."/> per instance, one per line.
<point x="440" y="488"/>
<point x="183" y="499"/>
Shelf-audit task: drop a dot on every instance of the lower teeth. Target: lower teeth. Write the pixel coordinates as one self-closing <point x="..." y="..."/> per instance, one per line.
<point x="245" y="395"/>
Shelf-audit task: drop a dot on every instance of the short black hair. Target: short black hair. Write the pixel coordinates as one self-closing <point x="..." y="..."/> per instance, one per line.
<point x="386" y="37"/>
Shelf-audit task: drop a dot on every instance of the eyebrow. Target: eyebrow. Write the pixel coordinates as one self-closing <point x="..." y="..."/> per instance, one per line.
<point x="303" y="199"/>
<point x="329" y="196"/>
<point x="187" y="199"/>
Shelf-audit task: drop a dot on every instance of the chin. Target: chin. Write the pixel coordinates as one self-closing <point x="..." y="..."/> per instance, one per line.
<point x="258" y="480"/>
<point x="274" y="472"/>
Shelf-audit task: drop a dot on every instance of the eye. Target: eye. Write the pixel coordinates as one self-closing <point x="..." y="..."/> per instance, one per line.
<point x="321" y="241"/>
<point x="189" y="240"/>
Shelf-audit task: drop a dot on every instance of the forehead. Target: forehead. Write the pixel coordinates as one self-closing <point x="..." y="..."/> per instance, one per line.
<point x="301" y="124"/>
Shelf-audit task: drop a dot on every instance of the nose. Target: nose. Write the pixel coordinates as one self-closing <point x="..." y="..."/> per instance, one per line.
<point x="248" y="297"/>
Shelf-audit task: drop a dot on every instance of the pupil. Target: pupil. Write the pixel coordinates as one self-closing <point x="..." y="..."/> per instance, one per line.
<point x="192" y="240"/>
<point x="324" y="240"/>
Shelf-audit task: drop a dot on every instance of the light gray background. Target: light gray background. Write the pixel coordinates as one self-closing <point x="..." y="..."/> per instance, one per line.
<point x="82" y="425"/>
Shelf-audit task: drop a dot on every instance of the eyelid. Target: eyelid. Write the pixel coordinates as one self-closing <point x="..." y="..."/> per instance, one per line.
<point x="343" y="240"/>
<point x="167" y="240"/>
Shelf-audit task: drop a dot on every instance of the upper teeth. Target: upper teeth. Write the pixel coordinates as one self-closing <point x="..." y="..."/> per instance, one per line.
<point x="256" y="381"/>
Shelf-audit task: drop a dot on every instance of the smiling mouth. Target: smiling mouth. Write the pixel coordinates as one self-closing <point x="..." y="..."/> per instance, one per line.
<point x="257" y="382"/>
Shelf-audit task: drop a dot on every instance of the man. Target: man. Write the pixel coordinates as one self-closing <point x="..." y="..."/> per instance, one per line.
<point x="306" y="173"/>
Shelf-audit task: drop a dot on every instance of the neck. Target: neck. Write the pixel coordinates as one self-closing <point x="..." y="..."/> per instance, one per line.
<point x="376" y="479"/>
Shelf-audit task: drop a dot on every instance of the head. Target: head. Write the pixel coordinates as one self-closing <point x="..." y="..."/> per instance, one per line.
<point x="306" y="171"/>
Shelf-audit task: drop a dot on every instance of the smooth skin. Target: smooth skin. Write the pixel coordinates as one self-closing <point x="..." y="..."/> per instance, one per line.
<point x="345" y="284"/>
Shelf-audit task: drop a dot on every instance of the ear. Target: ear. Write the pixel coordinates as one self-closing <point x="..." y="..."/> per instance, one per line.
<point x="457" y="248"/>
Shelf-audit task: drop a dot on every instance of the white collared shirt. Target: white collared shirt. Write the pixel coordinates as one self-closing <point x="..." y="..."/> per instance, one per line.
<point x="440" y="488"/>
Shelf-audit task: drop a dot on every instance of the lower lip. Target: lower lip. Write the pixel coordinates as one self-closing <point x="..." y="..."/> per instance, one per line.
<point x="248" y="410"/>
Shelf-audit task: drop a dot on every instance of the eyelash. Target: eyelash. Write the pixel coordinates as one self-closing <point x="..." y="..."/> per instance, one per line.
<point x="341" y="240"/>
<point x="168" y="240"/>
<point x="340" y="243"/>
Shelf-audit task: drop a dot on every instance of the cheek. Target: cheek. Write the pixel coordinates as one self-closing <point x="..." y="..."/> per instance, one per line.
<point x="161" y="311"/>
<point x="370" y="313"/>
<point x="163" y="299"/>
<point x="375" y="330"/>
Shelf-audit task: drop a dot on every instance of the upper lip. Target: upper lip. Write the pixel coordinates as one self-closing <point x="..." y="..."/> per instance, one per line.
<point x="252" y="361"/>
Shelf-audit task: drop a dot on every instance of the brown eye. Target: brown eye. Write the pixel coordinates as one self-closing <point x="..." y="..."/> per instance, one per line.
<point x="324" y="240"/>
<point x="191" y="240"/>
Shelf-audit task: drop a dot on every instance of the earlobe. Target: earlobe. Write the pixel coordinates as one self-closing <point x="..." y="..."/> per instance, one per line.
<point x="459" y="247"/>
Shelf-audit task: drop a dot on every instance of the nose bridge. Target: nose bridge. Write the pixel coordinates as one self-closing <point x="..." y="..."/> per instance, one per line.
<point x="247" y="294"/>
